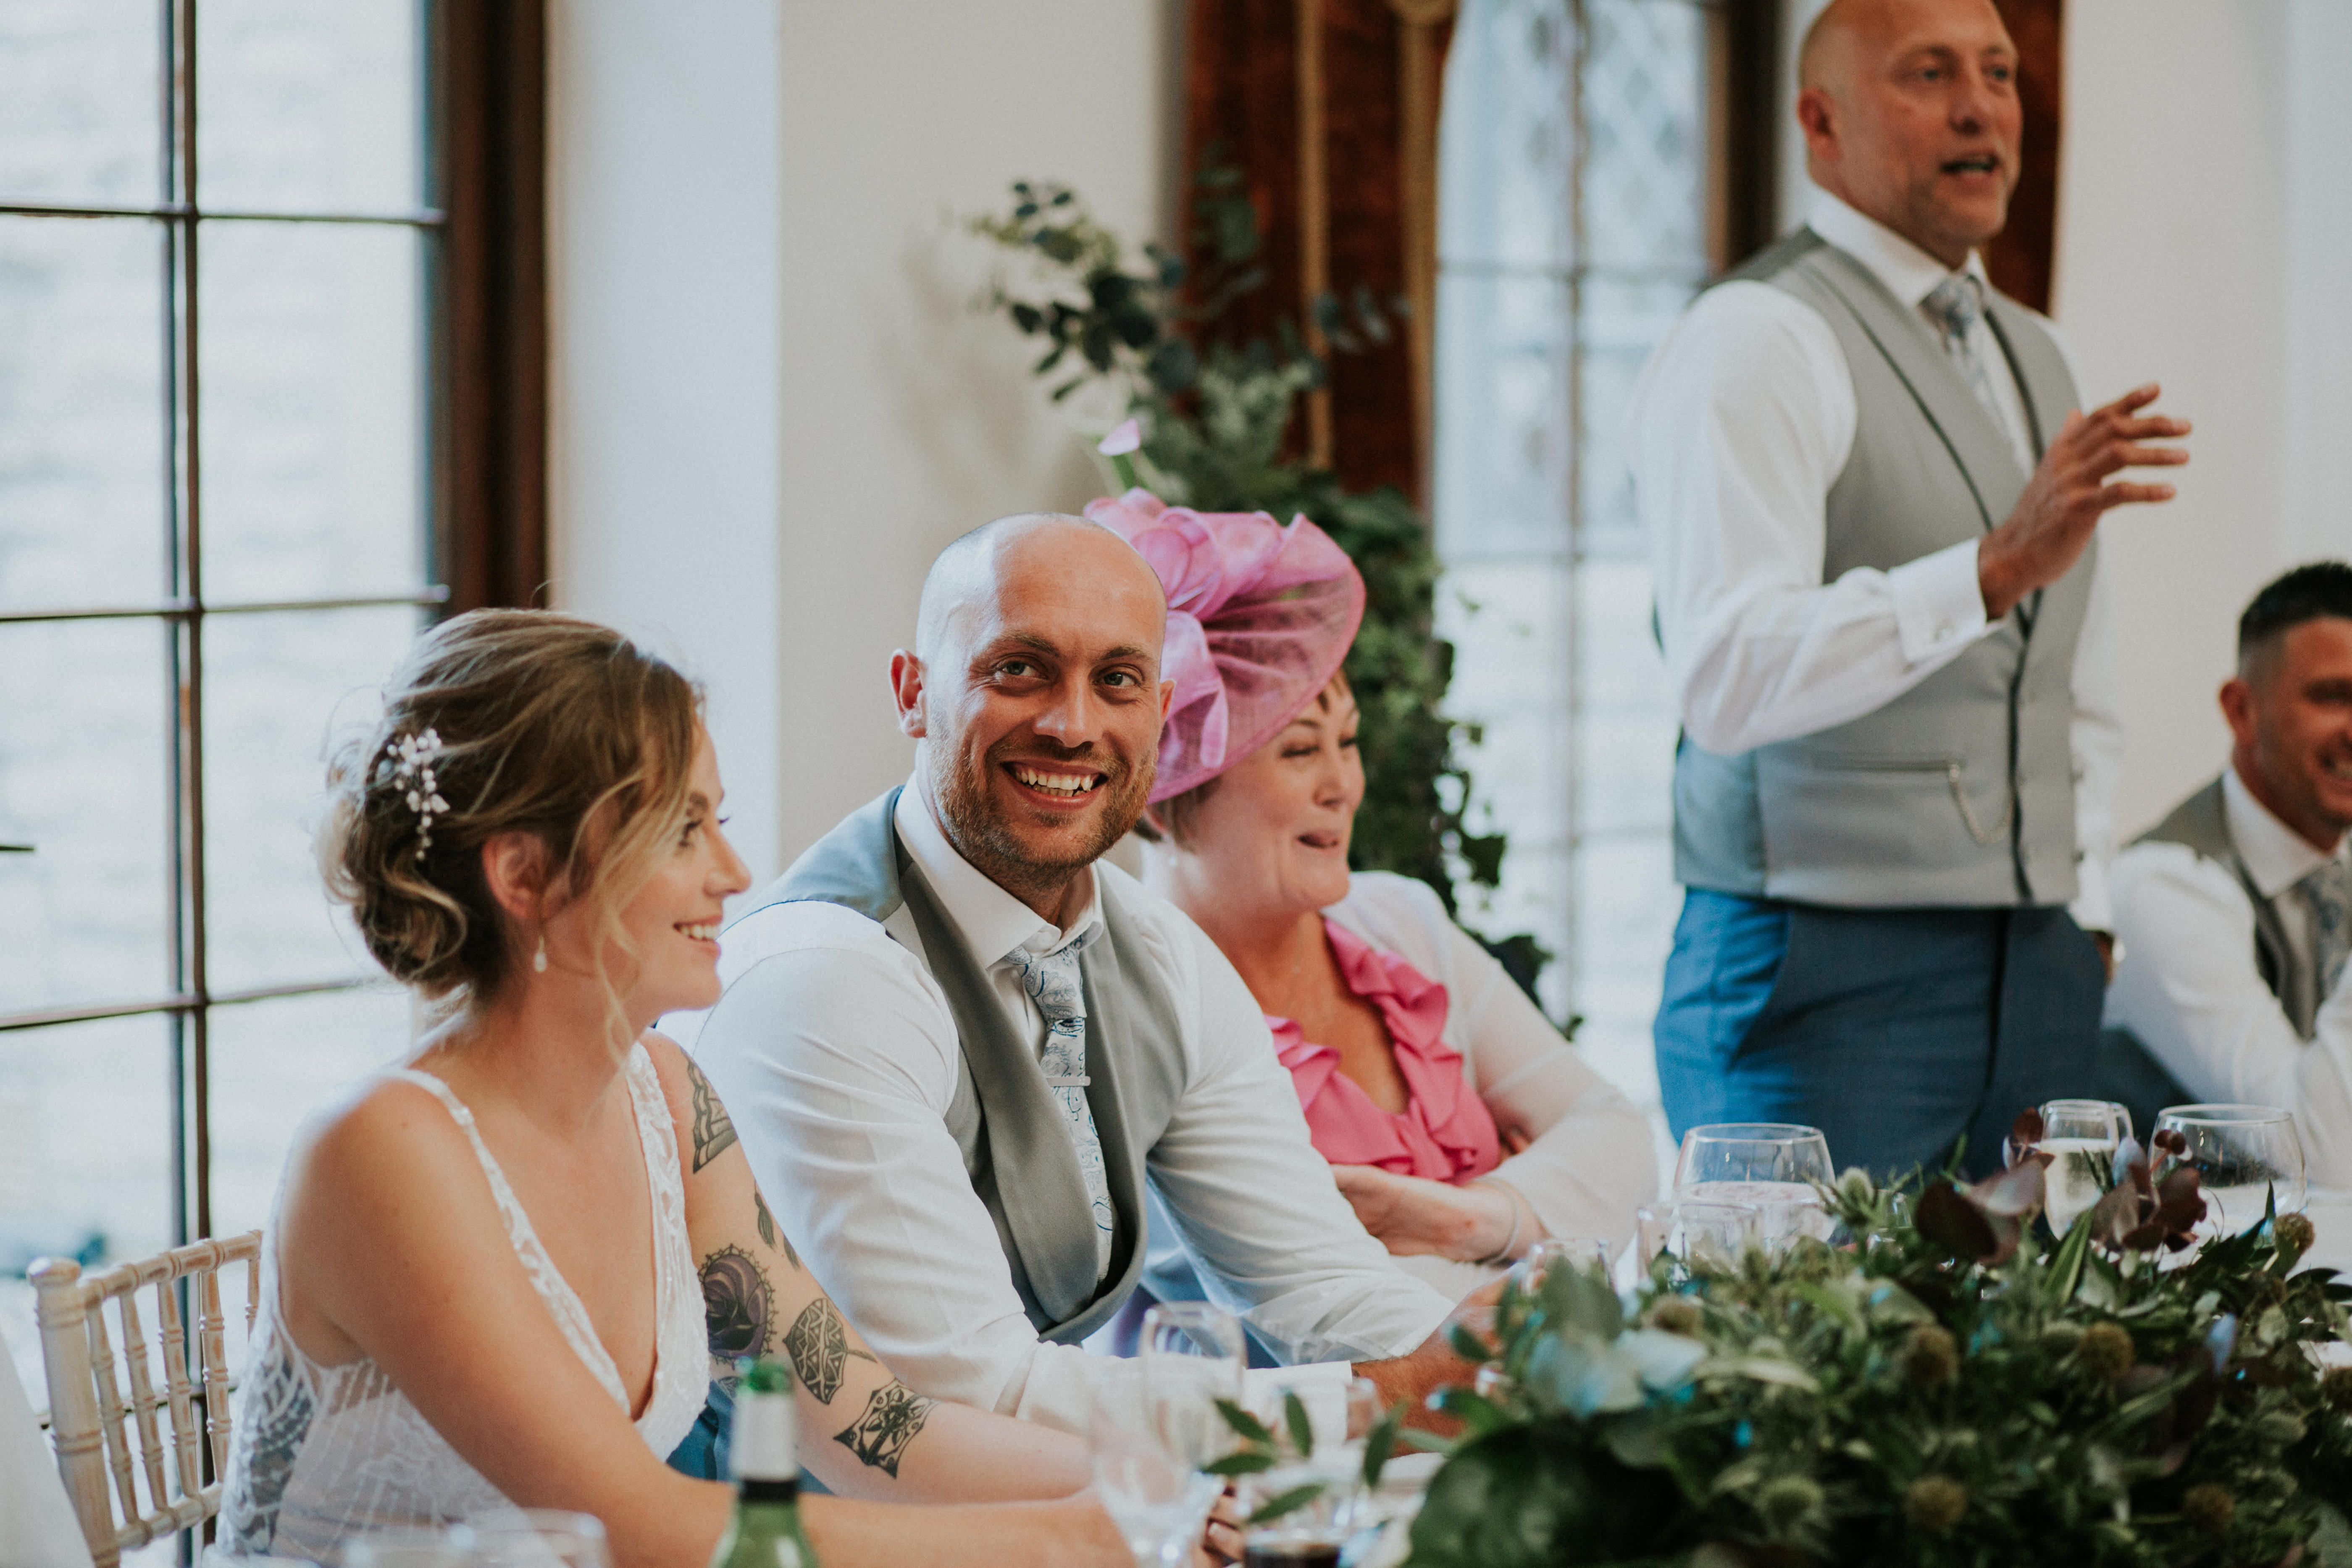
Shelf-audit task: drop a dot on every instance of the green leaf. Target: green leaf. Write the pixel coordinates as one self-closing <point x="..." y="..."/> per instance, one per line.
<point x="1381" y="1442"/>
<point x="1247" y="1462"/>
<point x="1246" y="1424"/>
<point x="1467" y="1344"/>
<point x="1286" y="1502"/>
<point x="1293" y="1417"/>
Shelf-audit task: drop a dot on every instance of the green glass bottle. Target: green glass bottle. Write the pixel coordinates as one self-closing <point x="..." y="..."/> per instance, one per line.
<point x="764" y="1455"/>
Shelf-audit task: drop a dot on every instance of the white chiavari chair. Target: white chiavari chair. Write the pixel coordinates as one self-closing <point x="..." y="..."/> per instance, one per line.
<point x="99" y="1434"/>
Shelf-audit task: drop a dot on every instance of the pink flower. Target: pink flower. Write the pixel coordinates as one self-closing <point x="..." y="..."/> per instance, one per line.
<point x="1126" y="439"/>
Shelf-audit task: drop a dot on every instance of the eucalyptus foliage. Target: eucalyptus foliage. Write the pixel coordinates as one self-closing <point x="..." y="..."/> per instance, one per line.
<point x="1897" y="1399"/>
<point x="1214" y="413"/>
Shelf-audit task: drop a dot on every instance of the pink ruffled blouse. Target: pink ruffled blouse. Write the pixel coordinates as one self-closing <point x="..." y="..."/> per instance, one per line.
<point x="1445" y="1132"/>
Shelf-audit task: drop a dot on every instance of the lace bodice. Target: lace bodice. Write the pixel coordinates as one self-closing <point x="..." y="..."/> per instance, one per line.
<point x="324" y="1453"/>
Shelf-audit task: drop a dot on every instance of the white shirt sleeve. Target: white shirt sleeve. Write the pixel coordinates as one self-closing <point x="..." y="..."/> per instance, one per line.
<point x="2188" y="990"/>
<point x="2097" y="737"/>
<point x="1740" y="422"/>
<point x="1257" y="1206"/>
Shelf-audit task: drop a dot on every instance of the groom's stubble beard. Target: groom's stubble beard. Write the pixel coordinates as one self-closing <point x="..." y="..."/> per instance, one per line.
<point x="977" y="823"/>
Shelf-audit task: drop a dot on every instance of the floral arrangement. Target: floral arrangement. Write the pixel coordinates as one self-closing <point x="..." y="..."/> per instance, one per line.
<point x="1938" y="1386"/>
<point x="1210" y="417"/>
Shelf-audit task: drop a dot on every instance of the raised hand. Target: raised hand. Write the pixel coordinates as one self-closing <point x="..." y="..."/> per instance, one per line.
<point x="2068" y="494"/>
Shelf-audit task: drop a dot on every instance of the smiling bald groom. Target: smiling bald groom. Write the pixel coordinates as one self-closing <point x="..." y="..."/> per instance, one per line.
<point x="960" y="1045"/>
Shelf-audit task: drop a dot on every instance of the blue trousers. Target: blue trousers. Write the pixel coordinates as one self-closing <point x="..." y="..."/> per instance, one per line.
<point x="1897" y="1032"/>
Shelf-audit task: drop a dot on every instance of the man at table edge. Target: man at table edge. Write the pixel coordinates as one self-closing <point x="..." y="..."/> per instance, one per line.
<point x="2232" y="910"/>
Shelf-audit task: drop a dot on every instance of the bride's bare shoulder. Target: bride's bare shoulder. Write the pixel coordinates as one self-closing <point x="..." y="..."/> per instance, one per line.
<point x="380" y="1129"/>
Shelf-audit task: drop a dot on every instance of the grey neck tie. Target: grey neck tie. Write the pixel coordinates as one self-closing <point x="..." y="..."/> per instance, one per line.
<point x="1052" y="982"/>
<point x="2328" y="895"/>
<point x="1956" y="306"/>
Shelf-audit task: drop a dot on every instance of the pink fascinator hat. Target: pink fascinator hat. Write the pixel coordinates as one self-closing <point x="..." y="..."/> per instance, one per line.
<point x="1259" y="618"/>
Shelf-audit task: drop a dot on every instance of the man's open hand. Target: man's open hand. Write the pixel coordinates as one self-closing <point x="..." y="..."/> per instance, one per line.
<point x="2068" y="494"/>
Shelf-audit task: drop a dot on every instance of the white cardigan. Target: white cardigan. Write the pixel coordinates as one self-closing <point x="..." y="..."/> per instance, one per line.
<point x="1589" y="1164"/>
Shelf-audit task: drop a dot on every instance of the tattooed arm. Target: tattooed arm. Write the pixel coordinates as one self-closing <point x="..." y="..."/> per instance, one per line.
<point x="863" y="1432"/>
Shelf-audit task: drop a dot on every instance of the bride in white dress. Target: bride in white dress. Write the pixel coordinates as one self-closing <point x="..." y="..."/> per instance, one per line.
<point x="494" y="1272"/>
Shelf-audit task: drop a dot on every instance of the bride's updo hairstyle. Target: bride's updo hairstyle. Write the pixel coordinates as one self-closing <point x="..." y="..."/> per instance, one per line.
<point x="506" y="722"/>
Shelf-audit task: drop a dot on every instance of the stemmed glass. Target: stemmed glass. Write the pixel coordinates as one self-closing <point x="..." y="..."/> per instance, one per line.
<point x="1311" y="1533"/>
<point x="1689" y="1229"/>
<point x="1153" y="1432"/>
<point x="1576" y="1251"/>
<point x="1771" y="1166"/>
<point x="2243" y="1156"/>
<point x="2081" y="1136"/>
<point x="538" y="1538"/>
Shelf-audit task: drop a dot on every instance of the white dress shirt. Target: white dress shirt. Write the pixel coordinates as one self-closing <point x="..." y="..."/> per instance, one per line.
<point x="1741" y="421"/>
<point x="842" y="1107"/>
<point x="2187" y="986"/>
<point x="1590" y="1162"/>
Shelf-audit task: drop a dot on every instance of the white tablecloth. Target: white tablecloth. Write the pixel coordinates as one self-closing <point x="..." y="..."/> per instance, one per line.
<point x="37" y="1521"/>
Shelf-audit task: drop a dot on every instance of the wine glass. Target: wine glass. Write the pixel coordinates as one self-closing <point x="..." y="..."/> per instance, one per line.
<point x="2243" y="1154"/>
<point x="1153" y="1432"/>
<point x="1770" y="1165"/>
<point x="1311" y="1533"/>
<point x="1690" y="1229"/>
<point x="2081" y="1137"/>
<point x="1576" y="1251"/>
<point x="419" y="1548"/>
<point x="536" y="1538"/>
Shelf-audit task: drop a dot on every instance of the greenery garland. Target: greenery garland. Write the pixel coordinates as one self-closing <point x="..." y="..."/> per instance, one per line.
<point x="1213" y="413"/>
<point x="1938" y="1388"/>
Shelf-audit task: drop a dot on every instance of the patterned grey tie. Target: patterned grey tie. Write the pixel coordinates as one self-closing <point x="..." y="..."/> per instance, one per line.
<point x="1052" y="982"/>
<point x="2328" y="893"/>
<point x="1956" y="306"/>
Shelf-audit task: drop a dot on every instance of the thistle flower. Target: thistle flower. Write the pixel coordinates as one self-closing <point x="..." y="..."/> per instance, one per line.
<point x="2107" y="1352"/>
<point x="2336" y="1387"/>
<point x="1676" y="1315"/>
<point x="1931" y="1357"/>
<point x="2208" y="1508"/>
<point x="2292" y="1235"/>
<point x="1784" y="1502"/>
<point x="1935" y="1503"/>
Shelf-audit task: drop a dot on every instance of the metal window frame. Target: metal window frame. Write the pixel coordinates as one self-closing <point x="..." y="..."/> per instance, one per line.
<point x="180" y="217"/>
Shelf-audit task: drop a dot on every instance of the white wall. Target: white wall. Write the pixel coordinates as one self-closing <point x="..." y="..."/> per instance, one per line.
<point x="776" y="404"/>
<point x="2205" y="241"/>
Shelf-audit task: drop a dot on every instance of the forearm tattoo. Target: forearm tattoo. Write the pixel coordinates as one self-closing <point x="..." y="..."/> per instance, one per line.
<point x="713" y="1132"/>
<point x="819" y="1346"/>
<point x="739" y="1305"/>
<point x="769" y="1233"/>
<point x="893" y="1415"/>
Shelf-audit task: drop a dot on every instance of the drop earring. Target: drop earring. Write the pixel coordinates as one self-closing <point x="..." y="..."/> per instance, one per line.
<point x="539" y="959"/>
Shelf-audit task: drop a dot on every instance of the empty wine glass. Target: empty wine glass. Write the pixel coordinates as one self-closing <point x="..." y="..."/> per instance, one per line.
<point x="2243" y="1156"/>
<point x="1692" y="1230"/>
<point x="2081" y="1137"/>
<point x="1576" y="1251"/>
<point x="424" y="1548"/>
<point x="1153" y="1432"/>
<point x="1770" y="1165"/>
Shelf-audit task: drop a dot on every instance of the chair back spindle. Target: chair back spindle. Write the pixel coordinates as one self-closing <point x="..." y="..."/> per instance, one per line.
<point x="95" y="1430"/>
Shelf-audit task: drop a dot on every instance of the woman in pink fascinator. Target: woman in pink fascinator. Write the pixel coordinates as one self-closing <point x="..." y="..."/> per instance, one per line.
<point x="1459" y="1123"/>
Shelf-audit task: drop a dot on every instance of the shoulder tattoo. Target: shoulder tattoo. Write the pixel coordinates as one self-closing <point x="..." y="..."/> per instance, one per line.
<point x="894" y="1413"/>
<point x="713" y="1132"/>
<point x="739" y="1305"/>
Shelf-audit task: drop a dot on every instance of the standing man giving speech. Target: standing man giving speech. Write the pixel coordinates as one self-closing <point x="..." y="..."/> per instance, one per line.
<point x="1870" y="500"/>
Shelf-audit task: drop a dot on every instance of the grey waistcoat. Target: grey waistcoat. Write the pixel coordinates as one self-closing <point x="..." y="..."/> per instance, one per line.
<point x="1961" y="791"/>
<point x="1016" y="1147"/>
<point x="2202" y="823"/>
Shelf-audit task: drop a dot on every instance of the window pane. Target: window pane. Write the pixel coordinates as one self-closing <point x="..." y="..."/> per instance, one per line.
<point x="272" y="1064"/>
<point x="1502" y="416"/>
<point x="310" y="339"/>
<point x="1645" y="97"/>
<point x="85" y="725"/>
<point x="1504" y="171"/>
<point x="309" y="108"/>
<point x="85" y="1156"/>
<point x="275" y="687"/>
<point x="81" y="101"/>
<point x="82" y="475"/>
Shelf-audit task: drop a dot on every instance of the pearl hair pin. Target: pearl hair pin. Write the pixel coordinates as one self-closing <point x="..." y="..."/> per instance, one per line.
<point x="412" y="773"/>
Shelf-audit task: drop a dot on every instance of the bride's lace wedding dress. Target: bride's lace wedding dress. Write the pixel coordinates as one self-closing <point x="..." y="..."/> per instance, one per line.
<point x="325" y="1453"/>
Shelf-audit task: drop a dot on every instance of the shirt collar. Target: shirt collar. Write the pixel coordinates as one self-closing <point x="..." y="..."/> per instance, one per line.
<point x="2275" y="856"/>
<point x="1909" y="273"/>
<point x="991" y="922"/>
